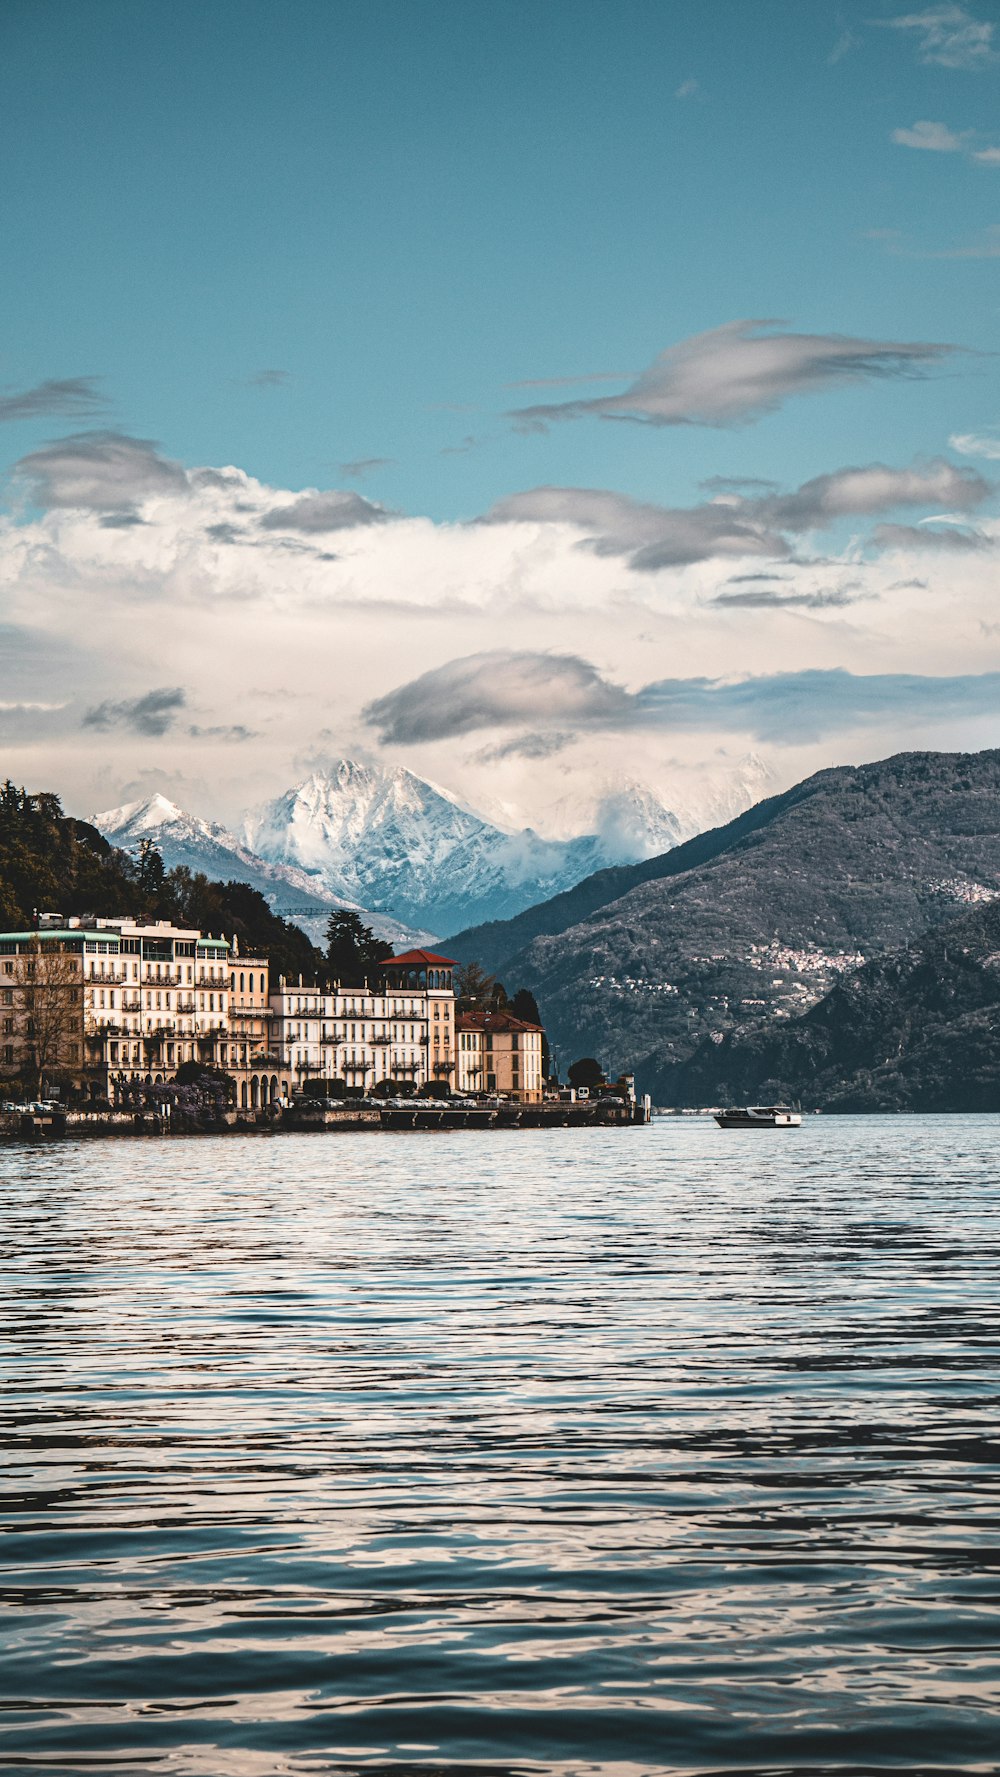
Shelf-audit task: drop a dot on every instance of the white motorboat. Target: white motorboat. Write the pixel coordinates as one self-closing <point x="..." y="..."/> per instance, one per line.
<point x="759" y="1116"/>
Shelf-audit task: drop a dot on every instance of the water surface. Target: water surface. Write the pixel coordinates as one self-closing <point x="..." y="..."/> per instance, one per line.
<point x="612" y="1452"/>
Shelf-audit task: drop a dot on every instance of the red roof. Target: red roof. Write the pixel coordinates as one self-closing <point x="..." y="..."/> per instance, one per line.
<point x="421" y="959"/>
<point x="478" y="1019"/>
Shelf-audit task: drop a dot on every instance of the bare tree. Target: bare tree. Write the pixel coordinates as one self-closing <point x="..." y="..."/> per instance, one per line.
<point x="473" y="987"/>
<point x="52" y="995"/>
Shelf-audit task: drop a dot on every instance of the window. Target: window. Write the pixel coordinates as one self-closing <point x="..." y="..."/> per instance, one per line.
<point x="7" y="996"/>
<point x="8" y="1054"/>
<point x="8" y="1027"/>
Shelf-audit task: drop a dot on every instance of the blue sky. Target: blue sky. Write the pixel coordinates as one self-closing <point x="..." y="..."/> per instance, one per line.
<point x="293" y="238"/>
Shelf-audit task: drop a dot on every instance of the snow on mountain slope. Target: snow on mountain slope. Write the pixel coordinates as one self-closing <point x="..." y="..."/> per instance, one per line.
<point x="411" y="858"/>
<point x="389" y="839"/>
<point x="200" y="845"/>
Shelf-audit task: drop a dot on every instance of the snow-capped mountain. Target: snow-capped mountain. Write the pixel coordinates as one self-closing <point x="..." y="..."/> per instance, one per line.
<point x="408" y="856"/>
<point x="381" y="836"/>
<point x="183" y="838"/>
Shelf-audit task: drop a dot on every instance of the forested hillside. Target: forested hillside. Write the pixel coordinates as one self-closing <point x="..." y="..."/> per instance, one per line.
<point x="916" y="1030"/>
<point x="50" y="862"/>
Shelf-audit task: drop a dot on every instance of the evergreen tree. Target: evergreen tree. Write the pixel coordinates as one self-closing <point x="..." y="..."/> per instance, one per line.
<point x="353" y="953"/>
<point x="524" y="1005"/>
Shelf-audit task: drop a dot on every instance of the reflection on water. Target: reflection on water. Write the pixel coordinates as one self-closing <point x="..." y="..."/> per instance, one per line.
<point x="619" y="1452"/>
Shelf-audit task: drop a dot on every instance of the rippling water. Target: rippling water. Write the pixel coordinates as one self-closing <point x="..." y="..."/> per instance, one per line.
<point x="619" y="1452"/>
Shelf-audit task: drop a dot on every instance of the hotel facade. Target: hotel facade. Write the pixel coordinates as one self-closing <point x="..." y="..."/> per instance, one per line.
<point x="99" y="1005"/>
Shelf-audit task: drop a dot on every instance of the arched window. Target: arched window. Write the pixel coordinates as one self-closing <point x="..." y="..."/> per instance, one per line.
<point x="251" y="984"/>
<point x="232" y="983"/>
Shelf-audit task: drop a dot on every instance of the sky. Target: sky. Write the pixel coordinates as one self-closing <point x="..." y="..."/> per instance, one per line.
<point x="539" y="396"/>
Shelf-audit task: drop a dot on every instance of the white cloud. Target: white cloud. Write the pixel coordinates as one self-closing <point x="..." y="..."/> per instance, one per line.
<point x="948" y="36"/>
<point x="194" y="591"/>
<point x="977" y="444"/>
<point x="939" y="139"/>
<point x="936" y="137"/>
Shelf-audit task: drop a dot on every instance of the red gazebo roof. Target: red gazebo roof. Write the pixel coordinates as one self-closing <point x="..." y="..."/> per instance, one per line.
<point x="420" y="959"/>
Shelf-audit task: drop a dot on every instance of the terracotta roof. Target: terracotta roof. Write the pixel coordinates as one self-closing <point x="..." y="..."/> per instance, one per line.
<point x="480" y="1020"/>
<point x="420" y="959"/>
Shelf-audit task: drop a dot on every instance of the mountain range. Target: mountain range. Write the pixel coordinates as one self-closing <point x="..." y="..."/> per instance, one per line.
<point x="206" y="846"/>
<point x="408" y="856"/>
<point x="755" y="921"/>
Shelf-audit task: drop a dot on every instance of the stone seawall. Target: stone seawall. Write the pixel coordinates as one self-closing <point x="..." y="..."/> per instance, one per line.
<point x="414" y="1117"/>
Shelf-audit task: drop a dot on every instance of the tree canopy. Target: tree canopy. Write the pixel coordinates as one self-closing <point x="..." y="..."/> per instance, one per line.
<point x="586" y="1072"/>
<point x="353" y="953"/>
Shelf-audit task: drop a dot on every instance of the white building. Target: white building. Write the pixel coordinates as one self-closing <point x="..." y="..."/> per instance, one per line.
<point x="150" y="997"/>
<point x="405" y="1031"/>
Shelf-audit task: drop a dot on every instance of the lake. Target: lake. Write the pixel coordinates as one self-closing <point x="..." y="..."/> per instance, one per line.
<point x="656" y="1450"/>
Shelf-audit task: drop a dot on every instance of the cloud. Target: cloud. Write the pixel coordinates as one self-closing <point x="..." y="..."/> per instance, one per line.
<point x="151" y="714"/>
<point x="737" y="372"/>
<point x="859" y="492"/>
<point x="656" y="537"/>
<point x="18" y="709"/>
<point x="795" y="707"/>
<point x="936" y="137"/>
<point x="843" y="46"/>
<point x="737" y="484"/>
<point x="99" y="472"/>
<point x="73" y="397"/>
<point x="316" y="511"/>
<point x="689" y="89"/>
<point x="912" y="536"/>
<point x="269" y="379"/>
<point x="939" y="139"/>
<point x="223" y="731"/>
<point x="977" y="444"/>
<point x="985" y="246"/>
<point x="652" y="537"/>
<point x="498" y="689"/>
<point x="948" y="36"/>
<point x="362" y="466"/>
<point x="468" y="443"/>
<point x="493" y="690"/>
<point x="524" y="746"/>
<point x="764" y="598"/>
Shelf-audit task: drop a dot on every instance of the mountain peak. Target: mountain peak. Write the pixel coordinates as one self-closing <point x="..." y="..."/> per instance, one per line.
<point x="143" y="815"/>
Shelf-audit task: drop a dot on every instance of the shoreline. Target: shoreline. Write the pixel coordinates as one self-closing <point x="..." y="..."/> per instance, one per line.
<point x="33" y="1129"/>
